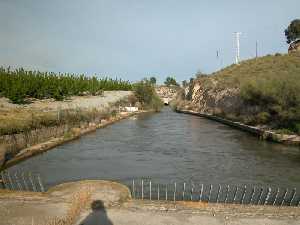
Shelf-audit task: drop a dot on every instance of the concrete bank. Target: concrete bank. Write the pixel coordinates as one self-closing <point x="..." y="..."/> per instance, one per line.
<point x="105" y="202"/>
<point x="74" y="134"/>
<point x="263" y="134"/>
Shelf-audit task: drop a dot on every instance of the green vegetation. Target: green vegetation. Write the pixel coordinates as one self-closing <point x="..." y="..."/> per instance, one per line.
<point x="146" y="95"/>
<point x="269" y="87"/>
<point x="292" y="33"/>
<point x="153" y="80"/>
<point x="170" y="81"/>
<point x="19" y="84"/>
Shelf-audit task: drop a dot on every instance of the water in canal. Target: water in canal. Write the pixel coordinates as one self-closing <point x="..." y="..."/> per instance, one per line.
<point x="169" y="147"/>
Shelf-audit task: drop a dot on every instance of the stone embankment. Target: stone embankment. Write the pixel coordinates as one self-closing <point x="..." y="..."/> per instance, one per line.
<point x="104" y="202"/>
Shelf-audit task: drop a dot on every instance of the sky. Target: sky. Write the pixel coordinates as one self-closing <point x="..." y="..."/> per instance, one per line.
<point x="133" y="39"/>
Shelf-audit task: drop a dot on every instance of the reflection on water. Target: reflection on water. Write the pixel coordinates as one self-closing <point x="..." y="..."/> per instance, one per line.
<point x="168" y="146"/>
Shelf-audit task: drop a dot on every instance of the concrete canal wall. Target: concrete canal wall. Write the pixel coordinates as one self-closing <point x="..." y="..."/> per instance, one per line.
<point x="263" y="134"/>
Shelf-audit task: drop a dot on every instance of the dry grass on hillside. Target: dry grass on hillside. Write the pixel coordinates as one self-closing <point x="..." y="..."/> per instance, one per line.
<point x="267" y="67"/>
<point x="269" y="86"/>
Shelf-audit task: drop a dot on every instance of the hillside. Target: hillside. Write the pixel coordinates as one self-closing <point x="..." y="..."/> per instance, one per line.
<point x="263" y="91"/>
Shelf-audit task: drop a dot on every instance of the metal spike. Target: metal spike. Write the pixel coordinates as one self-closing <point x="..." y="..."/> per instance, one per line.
<point x="268" y="196"/>
<point x="192" y="191"/>
<point x="10" y="180"/>
<point x="142" y="189"/>
<point x="201" y="192"/>
<point x="252" y="195"/>
<point x="166" y="192"/>
<point x="24" y="181"/>
<point x="183" y="192"/>
<point x="276" y="196"/>
<point x="227" y="192"/>
<point x="260" y="195"/>
<point x="174" y="197"/>
<point x="17" y="181"/>
<point x="219" y="189"/>
<point x="235" y="192"/>
<point x="244" y="194"/>
<point x="284" y="196"/>
<point x="210" y="190"/>
<point x="150" y="190"/>
<point x="40" y="183"/>
<point x="293" y="196"/>
<point x="3" y="180"/>
<point x="133" y="189"/>
<point x="31" y="181"/>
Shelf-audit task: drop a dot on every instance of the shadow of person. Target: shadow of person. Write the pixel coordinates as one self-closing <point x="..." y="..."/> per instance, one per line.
<point x="98" y="216"/>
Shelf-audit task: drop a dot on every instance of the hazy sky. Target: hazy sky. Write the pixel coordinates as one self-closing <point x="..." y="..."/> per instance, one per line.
<point x="132" y="39"/>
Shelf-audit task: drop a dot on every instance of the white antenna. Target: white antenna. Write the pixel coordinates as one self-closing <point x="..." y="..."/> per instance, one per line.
<point x="237" y="56"/>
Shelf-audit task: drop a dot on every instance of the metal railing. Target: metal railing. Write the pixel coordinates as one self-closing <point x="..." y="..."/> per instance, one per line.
<point x="21" y="181"/>
<point x="232" y="194"/>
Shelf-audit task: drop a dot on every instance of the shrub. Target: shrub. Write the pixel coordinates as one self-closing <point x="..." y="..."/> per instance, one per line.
<point x="146" y="95"/>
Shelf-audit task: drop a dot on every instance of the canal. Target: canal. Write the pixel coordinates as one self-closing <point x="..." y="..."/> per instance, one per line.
<point x="169" y="147"/>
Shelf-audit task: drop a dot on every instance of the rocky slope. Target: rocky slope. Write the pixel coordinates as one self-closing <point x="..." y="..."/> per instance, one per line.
<point x="259" y="92"/>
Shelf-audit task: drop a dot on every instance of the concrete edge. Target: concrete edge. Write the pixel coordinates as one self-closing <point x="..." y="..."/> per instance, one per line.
<point x="54" y="142"/>
<point x="256" y="131"/>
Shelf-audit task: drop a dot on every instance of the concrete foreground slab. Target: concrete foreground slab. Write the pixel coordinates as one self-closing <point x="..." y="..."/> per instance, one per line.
<point x="22" y="208"/>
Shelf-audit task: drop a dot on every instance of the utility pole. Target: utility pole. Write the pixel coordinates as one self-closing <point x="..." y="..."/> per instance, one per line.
<point x="237" y="56"/>
<point x="256" y="49"/>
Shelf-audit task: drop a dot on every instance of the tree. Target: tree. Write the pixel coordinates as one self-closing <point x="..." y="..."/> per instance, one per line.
<point x="184" y="83"/>
<point x="170" y="81"/>
<point x="153" y="80"/>
<point x="292" y="33"/>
